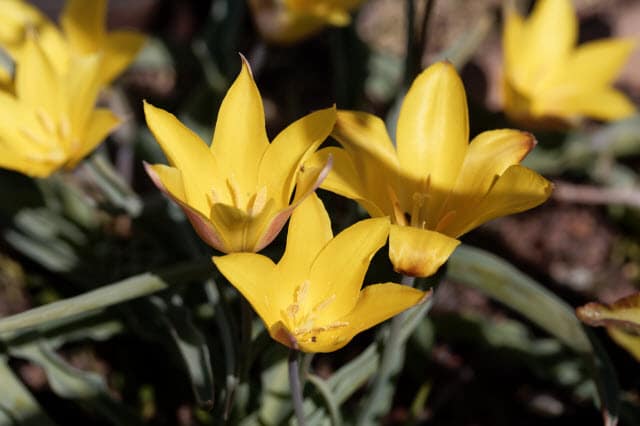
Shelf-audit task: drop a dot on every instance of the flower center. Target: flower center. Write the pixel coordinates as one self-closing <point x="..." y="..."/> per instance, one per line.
<point x="421" y="206"/>
<point x="252" y="204"/>
<point x="51" y="141"/>
<point x="302" y="320"/>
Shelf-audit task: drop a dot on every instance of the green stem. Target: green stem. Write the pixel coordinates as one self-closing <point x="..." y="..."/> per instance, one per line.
<point x="392" y="344"/>
<point x="296" y="390"/>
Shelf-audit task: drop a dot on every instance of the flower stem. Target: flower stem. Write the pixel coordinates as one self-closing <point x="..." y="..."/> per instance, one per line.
<point x="294" y="383"/>
<point x="377" y="403"/>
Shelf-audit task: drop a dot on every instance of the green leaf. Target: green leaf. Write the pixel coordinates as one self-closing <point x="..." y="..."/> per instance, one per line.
<point x="192" y="346"/>
<point x="17" y="405"/>
<point x="500" y="280"/>
<point x="87" y="388"/>
<point x="92" y="301"/>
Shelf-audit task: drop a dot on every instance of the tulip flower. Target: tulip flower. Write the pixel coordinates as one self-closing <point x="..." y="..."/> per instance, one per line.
<point x="237" y="192"/>
<point x="83" y="33"/>
<point x="288" y="21"/>
<point x="434" y="184"/>
<point x="51" y="121"/>
<point x="548" y="80"/>
<point x="312" y="300"/>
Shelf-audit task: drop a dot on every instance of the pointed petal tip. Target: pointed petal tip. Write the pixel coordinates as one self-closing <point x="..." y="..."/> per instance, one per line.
<point x="246" y="66"/>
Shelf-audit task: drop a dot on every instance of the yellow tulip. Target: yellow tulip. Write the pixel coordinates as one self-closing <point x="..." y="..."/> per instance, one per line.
<point x="237" y="192"/>
<point x="312" y="300"/>
<point x="83" y="33"/>
<point x="288" y="21"/>
<point x="548" y="80"/>
<point x="51" y="122"/>
<point x="434" y="185"/>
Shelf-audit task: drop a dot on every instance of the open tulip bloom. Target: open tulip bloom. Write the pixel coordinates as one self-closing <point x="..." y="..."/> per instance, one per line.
<point x="435" y="185"/>
<point x="288" y="21"/>
<point x="51" y="121"/>
<point x="312" y="300"/>
<point x="236" y="193"/>
<point x="547" y="80"/>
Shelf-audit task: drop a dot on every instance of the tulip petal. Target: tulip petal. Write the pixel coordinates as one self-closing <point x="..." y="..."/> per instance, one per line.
<point x="242" y="232"/>
<point x="418" y="252"/>
<point x="307" y="183"/>
<point x="601" y="104"/>
<point x="169" y="180"/>
<point x="240" y="137"/>
<point x="433" y="126"/>
<point x="309" y="231"/>
<point x="364" y="136"/>
<point x="282" y="159"/>
<point x="376" y="303"/>
<point x="489" y="155"/>
<point x="120" y="50"/>
<point x="512" y="42"/>
<point x="629" y="341"/>
<point x="254" y="276"/>
<point x="343" y="179"/>
<point x="591" y="65"/>
<point x="83" y="23"/>
<point x="37" y="83"/>
<point x="338" y="271"/>
<point x="516" y="190"/>
<point x="101" y="123"/>
<point x="550" y="33"/>
<point x="84" y="83"/>
<point x="187" y="152"/>
<point x="379" y="302"/>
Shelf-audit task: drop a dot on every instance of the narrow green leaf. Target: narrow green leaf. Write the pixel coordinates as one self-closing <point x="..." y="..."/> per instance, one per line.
<point x="121" y="291"/>
<point x="500" y="280"/>
<point x="87" y="388"/>
<point x="17" y="405"/>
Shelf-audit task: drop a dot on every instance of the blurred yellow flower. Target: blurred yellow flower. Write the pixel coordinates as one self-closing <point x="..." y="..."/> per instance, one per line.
<point x="621" y="319"/>
<point x="51" y="122"/>
<point x="83" y="33"/>
<point x="434" y="185"/>
<point x="312" y="299"/>
<point x="237" y="192"/>
<point x="288" y="21"/>
<point x="548" y="80"/>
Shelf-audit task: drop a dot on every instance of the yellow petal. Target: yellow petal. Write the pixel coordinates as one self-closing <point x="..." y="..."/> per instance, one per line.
<point x="307" y="183"/>
<point x="376" y="303"/>
<point x="512" y="42"/>
<point x="82" y="89"/>
<point x="602" y="104"/>
<point x="83" y="23"/>
<point x="240" y="137"/>
<point x="338" y="271"/>
<point x="37" y="83"/>
<point x="433" y="126"/>
<point x="169" y="181"/>
<point x="187" y="152"/>
<point x="254" y="276"/>
<point x="518" y="189"/>
<point x="593" y="64"/>
<point x="550" y="34"/>
<point x="120" y="50"/>
<point x="282" y="159"/>
<point x="364" y="136"/>
<point x="418" y="252"/>
<point x="623" y="312"/>
<point x="240" y="230"/>
<point x="489" y="155"/>
<point x="309" y="231"/>
<point x="629" y="341"/>
<point x="101" y="123"/>
<point x="343" y="179"/>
